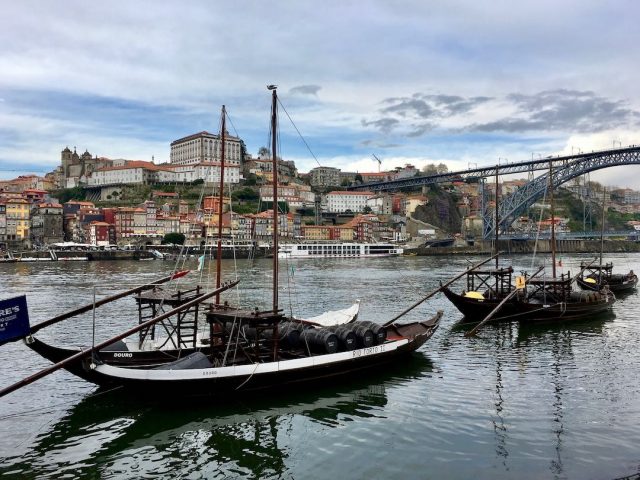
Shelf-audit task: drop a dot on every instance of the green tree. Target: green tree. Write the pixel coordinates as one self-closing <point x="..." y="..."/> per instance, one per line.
<point x="174" y="237"/>
<point x="66" y="194"/>
<point x="251" y="180"/>
<point x="245" y="194"/>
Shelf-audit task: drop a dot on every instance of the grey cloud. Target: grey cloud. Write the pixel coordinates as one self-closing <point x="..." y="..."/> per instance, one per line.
<point x="408" y="106"/>
<point x="419" y="130"/>
<point x="562" y="110"/>
<point x="385" y="125"/>
<point x="305" y="90"/>
<point x="419" y="107"/>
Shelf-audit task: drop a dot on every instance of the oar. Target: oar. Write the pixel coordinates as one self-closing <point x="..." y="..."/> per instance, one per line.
<point x="117" y="296"/>
<point x="433" y="292"/>
<point x="88" y="351"/>
<point x="499" y="306"/>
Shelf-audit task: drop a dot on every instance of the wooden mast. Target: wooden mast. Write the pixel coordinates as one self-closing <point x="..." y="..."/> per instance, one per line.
<point x="495" y="251"/>
<point x="220" y="203"/>
<point x="604" y="210"/>
<point x="274" y="159"/>
<point x="553" y="222"/>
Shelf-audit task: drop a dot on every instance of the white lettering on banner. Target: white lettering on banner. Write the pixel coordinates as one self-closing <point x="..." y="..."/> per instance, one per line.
<point x="363" y="352"/>
<point x="9" y="311"/>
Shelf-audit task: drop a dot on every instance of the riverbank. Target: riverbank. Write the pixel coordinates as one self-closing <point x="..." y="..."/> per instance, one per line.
<point x="77" y="255"/>
<point x="529" y="246"/>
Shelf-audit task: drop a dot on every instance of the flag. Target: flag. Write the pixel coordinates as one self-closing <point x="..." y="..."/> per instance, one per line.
<point x="201" y="263"/>
<point x="14" y="319"/>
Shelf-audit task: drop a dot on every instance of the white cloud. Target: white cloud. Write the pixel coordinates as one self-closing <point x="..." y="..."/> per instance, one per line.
<point x="183" y="61"/>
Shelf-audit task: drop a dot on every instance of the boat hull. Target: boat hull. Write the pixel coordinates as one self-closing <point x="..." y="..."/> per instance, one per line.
<point x="531" y="310"/>
<point x="624" y="284"/>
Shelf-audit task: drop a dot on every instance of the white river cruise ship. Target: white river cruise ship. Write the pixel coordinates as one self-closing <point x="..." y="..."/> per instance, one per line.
<point x="338" y="250"/>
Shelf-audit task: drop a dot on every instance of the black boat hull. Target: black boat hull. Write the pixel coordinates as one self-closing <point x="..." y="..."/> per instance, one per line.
<point x="625" y="284"/>
<point x="532" y="311"/>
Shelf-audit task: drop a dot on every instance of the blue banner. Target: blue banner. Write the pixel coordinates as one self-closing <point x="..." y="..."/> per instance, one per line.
<point x="14" y="319"/>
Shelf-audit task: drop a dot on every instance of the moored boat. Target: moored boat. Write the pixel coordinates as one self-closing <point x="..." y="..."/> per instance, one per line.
<point x="596" y="277"/>
<point x="338" y="250"/>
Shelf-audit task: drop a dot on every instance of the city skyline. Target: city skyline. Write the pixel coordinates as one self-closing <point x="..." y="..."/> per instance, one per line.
<point x="411" y="82"/>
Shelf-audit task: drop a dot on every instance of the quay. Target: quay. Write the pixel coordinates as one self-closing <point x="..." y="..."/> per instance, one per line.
<point x="529" y="246"/>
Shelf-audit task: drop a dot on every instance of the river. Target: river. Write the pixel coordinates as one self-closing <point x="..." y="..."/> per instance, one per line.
<point x="555" y="401"/>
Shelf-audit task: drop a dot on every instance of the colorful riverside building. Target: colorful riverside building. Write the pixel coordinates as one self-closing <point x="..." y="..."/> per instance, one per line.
<point x="17" y="222"/>
<point x="47" y="224"/>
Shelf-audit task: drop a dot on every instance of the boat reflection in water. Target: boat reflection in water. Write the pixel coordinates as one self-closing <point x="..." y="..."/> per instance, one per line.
<point x="511" y="344"/>
<point x="106" y="436"/>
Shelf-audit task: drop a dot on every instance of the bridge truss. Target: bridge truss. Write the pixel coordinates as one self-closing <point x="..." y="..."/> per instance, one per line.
<point x="514" y="205"/>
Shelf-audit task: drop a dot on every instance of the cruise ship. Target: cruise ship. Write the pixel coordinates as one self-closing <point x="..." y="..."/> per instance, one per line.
<point x="338" y="250"/>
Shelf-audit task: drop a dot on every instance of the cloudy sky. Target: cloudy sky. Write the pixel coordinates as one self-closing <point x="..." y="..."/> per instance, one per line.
<point x="416" y="81"/>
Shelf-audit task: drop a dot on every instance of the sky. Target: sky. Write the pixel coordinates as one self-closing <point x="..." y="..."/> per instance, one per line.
<point x="464" y="83"/>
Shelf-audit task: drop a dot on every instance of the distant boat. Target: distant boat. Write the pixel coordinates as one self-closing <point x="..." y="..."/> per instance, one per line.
<point x="338" y="250"/>
<point x="598" y="276"/>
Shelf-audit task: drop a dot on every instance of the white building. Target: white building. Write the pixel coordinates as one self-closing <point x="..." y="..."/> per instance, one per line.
<point x="207" y="171"/>
<point x="205" y="147"/>
<point x="133" y="172"/>
<point x="340" y="202"/>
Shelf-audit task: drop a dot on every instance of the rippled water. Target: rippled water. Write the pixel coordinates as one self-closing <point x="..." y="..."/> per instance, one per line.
<point x="554" y="401"/>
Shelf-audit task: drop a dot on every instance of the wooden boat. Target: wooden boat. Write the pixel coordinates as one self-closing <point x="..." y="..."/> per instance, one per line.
<point x="546" y="299"/>
<point x="538" y="299"/>
<point x="257" y="365"/>
<point x="596" y="277"/>
<point x="245" y="349"/>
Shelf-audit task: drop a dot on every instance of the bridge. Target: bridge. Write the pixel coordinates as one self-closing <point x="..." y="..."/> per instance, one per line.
<point x="512" y="206"/>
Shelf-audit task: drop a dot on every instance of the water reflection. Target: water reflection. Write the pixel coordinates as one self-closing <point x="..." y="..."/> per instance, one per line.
<point x="107" y="435"/>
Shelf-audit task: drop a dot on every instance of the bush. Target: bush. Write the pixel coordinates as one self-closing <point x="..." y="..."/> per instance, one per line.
<point x="174" y="237"/>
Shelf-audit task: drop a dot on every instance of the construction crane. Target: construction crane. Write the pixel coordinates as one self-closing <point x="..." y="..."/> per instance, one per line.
<point x="377" y="160"/>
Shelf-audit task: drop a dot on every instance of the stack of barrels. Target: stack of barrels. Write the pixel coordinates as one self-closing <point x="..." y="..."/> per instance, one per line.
<point x="341" y="338"/>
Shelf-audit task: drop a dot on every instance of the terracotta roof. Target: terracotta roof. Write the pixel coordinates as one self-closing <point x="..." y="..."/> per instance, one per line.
<point x="51" y="205"/>
<point x="132" y="164"/>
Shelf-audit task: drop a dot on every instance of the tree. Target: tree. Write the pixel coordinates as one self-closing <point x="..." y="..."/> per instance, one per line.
<point x="251" y="179"/>
<point x="367" y="209"/>
<point x="359" y="178"/>
<point x="245" y="194"/>
<point x="430" y="169"/>
<point x="174" y="237"/>
<point x="75" y="193"/>
<point x="264" y="152"/>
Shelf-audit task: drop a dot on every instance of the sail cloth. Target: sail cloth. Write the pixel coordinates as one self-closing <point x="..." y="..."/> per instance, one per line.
<point x="336" y="317"/>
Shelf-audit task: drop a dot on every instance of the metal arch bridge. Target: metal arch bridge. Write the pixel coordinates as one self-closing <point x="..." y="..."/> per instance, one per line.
<point x="512" y="206"/>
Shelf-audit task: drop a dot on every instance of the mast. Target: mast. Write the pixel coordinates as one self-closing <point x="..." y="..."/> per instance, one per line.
<point x="220" y="203"/>
<point x="553" y="222"/>
<point x="497" y="224"/>
<point x="604" y="202"/>
<point x="274" y="159"/>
